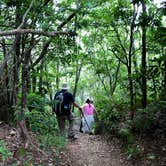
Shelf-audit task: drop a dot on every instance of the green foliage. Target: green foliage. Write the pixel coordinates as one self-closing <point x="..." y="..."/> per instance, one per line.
<point x="44" y="123"/>
<point x="52" y="139"/>
<point x="11" y="3"/>
<point x="37" y="106"/>
<point x="4" y="152"/>
<point x="146" y="118"/>
<point x="109" y="115"/>
<point x="133" y="151"/>
<point x="37" y="102"/>
<point x="151" y="156"/>
<point x="126" y="135"/>
<point x="160" y="35"/>
<point x="143" y="122"/>
<point x="122" y="11"/>
<point x="41" y="122"/>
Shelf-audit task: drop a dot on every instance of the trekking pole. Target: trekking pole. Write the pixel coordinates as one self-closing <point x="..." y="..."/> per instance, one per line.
<point x="85" y="120"/>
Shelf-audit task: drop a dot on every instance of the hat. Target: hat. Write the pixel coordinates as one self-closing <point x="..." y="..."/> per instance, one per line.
<point x="88" y="100"/>
<point x="65" y="86"/>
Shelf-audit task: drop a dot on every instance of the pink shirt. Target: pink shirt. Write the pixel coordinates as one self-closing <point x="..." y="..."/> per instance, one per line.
<point x="89" y="109"/>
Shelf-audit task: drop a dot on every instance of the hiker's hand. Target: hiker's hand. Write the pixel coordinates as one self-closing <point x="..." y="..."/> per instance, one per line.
<point x="81" y="115"/>
<point x="80" y="109"/>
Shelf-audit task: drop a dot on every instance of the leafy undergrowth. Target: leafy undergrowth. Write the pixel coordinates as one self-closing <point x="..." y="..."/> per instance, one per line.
<point x="152" y="147"/>
<point x="14" y="153"/>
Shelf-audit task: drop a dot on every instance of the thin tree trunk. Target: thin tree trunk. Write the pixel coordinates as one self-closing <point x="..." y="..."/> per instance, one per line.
<point x="115" y="80"/>
<point x="16" y="70"/>
<point x="143" y="72"/>
<point x="21" y="123"/>
<point x="57" y="74"/>
<point x="130" y="65"/>
<point x="28" y="54"/>
<point x="6" y="74"/>
<point x="78" y="72"/>
<point x="165" y="75"/>
<point x="34" y="81"/>
<point x="16" y="57"/>
<point x="41" y="77"/>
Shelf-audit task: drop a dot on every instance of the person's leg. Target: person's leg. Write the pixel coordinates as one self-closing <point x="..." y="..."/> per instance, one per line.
<point x="81" y="126"/>
<point x="85" y="121"/>
<point x="91" y="124"/>
<point x="61" y="124"/>
<point x="71" y="132"/>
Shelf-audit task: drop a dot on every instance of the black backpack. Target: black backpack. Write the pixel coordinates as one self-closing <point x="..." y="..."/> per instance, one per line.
<point x="60" y="107"/>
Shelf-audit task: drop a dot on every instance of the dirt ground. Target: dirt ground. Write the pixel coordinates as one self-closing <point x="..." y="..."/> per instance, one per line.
<point x="87" y="150"/>
<point x="94" y="150"/>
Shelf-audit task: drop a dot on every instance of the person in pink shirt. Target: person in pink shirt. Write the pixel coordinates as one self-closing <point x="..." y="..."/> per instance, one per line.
<point x="88" y="117"/>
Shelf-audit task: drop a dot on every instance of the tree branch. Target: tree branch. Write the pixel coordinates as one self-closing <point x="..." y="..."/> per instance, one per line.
<point x="14" y="44"/>
<point x="44" y="51"/>
<point x="67" y="20"/>
<point x="24" y="16"/>
<point x="46" y="45"/>
<point x="37" y="32"/>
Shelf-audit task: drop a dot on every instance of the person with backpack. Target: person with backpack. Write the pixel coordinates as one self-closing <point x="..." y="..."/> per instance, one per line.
<point x="88" y="116"/>
<point x="64" y="101"/>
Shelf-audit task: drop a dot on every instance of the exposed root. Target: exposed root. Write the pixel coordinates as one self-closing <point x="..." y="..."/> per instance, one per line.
<point x="23" y="133"/>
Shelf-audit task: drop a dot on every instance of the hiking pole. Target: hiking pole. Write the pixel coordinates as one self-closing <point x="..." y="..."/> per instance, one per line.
<point x="85" y="120"/>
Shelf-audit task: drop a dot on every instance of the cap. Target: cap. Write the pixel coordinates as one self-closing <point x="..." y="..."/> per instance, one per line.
<point x="65" y="86"/>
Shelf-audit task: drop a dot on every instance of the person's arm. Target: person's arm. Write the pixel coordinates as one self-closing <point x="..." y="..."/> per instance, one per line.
<point x="76" y="105"/>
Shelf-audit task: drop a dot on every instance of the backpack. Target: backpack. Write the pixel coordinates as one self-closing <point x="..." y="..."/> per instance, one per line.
<point x="60" y="108"/>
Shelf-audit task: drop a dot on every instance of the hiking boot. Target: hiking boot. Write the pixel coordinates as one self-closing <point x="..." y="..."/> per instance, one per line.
<point x="73" y="137"/>
<point x="91" y="133"/>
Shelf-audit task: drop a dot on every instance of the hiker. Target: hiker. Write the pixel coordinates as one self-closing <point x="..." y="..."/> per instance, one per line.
<point x="63" y="110"/>
<point x="88" y="116"/>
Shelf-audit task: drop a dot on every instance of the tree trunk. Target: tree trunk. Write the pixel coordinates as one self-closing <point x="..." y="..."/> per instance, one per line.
<point x="143" y="72"/>
<point x="16" y="58"/>
<point x="164" y="75"/>
<point x="41" y="77"/>
<point x="78" y="72"/>
<point x="7" y="97"/>
<point x="21" y="122"/>
<point x="34" y="81"/>
<point x="130" y="65"/>
<point x="57" y="74"/>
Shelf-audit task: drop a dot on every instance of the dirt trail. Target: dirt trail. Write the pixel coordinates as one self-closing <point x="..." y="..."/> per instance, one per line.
<point x="94" y="150"/>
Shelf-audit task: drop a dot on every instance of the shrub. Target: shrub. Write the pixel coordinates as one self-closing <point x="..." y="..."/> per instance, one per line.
<point x="4" y="152"/>
<point x="42" y="122"/>
<point x="147" y="118"/>
<point x="37" y="102"/>
<point x="108" y="117"/>
<point x="126" y="135"/>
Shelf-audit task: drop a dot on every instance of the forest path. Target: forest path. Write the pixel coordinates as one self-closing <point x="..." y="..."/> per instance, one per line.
<point x="94" y="150"/>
